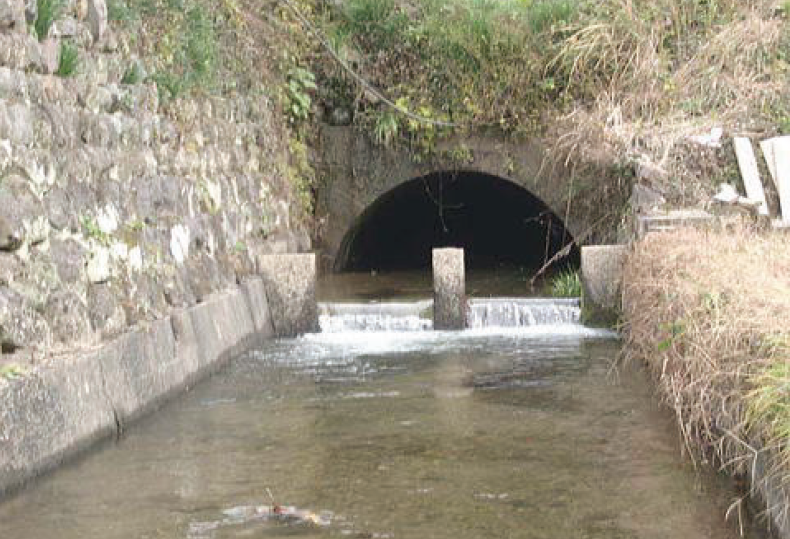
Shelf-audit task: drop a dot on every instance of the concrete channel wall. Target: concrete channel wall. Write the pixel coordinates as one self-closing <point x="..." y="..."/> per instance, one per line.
<point x="71" y="402"/>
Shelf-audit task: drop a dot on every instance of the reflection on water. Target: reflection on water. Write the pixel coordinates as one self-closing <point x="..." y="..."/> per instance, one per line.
<point x="418" y="284"/>
<point x="405" y="435"/>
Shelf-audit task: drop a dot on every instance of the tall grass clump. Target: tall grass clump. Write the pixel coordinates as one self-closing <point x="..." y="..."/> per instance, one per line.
<point x="48" y="12"/>
<point x="709" y="312"/>
<point x="566" y="284"/>
<point x="68" y="60"/>
<point x="187" y="51"/>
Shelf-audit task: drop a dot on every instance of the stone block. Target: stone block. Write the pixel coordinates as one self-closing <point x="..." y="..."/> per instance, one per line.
<point x="12" y="16"/>
<point x="21" y="326"/>
<point x="449" y="289"/>
<point x="602" y="275"/>
<point x="290" y="281"/>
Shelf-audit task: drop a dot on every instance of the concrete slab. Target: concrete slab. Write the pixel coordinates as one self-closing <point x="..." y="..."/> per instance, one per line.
<point x="777" y="156"/>
<point x="602" y="277"/>
<point x="656" y="222"/>
<point x="750" y="173"/>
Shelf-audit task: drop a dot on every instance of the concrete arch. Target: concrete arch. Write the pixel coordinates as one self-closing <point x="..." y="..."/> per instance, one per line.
<point x="358" y="175"/>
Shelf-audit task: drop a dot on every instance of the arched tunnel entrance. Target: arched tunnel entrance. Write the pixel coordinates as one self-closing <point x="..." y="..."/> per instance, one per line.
<point x="495" y="221"/>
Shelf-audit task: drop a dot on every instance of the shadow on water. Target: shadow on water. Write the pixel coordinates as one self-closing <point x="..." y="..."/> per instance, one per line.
<point x="414" y="434"/>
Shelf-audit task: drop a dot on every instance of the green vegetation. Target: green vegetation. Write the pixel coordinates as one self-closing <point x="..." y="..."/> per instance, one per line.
<point x="119" y="11"/>
<point x="301" y="174"/>
<point x="300" y="82"/>
<point x="189" y="54"/>
<point x="133" y="75"/>
<point x="607" y="83"/>
<point x="11" y="370"/>
<point x="49" y="11"/>
<point x="183" y="42"/>
<point x="91" y="229"/>
<point x="566" y="285"/>
<point x="68" y="60"/>
<point x="768" y="404"/>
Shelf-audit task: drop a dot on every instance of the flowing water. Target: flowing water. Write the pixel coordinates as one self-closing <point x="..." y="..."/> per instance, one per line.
<point x="379" y="428"/>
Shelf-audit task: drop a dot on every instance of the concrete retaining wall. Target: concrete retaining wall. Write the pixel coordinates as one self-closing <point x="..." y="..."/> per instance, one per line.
<point x="70" y="402"/>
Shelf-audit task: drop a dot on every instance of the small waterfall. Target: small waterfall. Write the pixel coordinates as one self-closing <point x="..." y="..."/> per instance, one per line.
<point x="523" y="312"/>
<point x="339" y="317"/>
<point x="417" y="316"/>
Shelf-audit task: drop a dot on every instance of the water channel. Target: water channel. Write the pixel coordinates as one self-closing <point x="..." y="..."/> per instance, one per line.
<point x="378" y="427"/>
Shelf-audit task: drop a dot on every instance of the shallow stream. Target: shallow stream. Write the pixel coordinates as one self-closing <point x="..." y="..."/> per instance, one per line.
<point x="495" y="432"/>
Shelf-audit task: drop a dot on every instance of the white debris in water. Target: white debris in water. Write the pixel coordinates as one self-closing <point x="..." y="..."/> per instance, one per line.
<point x="489" y="496"/>
<point x="372" y="395"/>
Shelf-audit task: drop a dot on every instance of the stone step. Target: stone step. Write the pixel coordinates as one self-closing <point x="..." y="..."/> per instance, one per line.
<point x="77" y="93"/>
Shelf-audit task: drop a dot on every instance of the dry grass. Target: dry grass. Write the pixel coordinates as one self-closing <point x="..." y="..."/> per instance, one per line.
<point x="709" y="312"/>
<point x="657" y="73"/>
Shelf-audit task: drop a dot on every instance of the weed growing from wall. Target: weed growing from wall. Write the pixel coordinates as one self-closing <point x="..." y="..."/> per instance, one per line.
<point x="185" y="51"/>
<point x="68" y="60"/>
<point x="49" y="11"/>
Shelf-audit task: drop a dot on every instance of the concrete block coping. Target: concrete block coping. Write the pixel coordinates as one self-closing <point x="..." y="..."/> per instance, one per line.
<point x="68" y="403"/>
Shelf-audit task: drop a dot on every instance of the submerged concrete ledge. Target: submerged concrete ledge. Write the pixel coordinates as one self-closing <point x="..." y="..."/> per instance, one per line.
<point x="70" y="402"/>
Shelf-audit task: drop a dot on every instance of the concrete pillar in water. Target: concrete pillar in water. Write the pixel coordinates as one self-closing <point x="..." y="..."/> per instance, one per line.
<point x="602" y="276"/>
<point x="290" y="282"/>
<point x="449" y="289"/>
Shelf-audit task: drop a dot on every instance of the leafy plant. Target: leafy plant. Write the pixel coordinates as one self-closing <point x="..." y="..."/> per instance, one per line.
<point x="68" y="60"/>
<point x="49" y="11"/>
<point x="300" y="83"/>
<point x="567" y="284"/>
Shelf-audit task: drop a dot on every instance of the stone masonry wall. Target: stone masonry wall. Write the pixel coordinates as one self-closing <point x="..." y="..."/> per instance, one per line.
<point x="114" y="209"/>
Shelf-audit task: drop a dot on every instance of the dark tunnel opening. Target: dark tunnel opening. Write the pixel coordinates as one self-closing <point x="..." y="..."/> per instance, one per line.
<point x="495" y="221"/>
